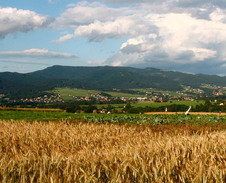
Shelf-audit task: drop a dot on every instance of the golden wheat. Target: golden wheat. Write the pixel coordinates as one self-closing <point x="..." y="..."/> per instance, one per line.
<point x="31" y="109"/>
<point x="81" y="152"/>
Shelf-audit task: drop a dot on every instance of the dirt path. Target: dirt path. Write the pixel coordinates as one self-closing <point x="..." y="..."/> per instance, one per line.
<point x="193" y="113"/>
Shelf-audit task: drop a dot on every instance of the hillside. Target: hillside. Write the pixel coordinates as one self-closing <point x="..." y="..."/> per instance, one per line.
<point x="99" y="78"/>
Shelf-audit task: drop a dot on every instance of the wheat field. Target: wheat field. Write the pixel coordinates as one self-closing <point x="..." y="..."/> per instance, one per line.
<point x="60" y="151"/>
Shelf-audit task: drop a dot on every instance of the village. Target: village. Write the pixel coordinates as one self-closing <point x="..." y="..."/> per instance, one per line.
<point x="150" y="94"/>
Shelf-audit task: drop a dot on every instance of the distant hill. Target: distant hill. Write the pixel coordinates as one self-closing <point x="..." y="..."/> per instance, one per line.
<point x="100" y="78"/>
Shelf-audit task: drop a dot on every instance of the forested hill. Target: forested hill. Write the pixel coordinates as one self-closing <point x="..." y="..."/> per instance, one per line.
<point x="100" y="78"/>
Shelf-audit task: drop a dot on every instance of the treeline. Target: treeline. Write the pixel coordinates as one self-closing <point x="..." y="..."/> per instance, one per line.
<point x="206" y="107"/>
<point x="128" y="108"/>
<point x="90" y="106"/>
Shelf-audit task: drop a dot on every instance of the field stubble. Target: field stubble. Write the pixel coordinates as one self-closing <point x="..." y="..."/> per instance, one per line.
<point x="92" y="152"/>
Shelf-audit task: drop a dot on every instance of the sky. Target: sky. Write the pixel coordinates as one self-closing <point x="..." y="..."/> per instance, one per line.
<point x="178" y="35"/>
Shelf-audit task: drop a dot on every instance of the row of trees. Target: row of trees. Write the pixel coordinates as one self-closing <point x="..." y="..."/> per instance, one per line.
<point x="128" y="108"/>
<point x="206" y="107"/>
<point x="89" y="107"/>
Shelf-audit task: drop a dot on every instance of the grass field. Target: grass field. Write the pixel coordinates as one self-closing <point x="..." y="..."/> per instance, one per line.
<point x="119" y="94"/>
<point x="67" y="93"/>
<point x="73" y="151"/>
<point x="33" y="115"/>
<point x="158" y="104"/>
<point x="153" y="104"/>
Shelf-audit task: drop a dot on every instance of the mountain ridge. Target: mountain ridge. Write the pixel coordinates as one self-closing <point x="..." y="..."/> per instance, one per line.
<point x="101" y="78"/>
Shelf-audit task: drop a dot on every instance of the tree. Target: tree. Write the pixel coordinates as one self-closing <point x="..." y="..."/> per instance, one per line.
<point x="90" y="109"/>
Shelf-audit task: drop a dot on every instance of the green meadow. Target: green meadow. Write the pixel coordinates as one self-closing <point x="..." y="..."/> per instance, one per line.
<point x="153" y="104"/>
<point x="67" y="93"/>
<point x="33" y="115"/>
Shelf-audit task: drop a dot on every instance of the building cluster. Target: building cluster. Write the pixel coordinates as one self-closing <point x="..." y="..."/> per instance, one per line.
<point x="98" y="97"/>
<point x="45" y="99"/>
<point x="188" y="94"/>
<point x="105" y="99"/>
<point x="194" y="90"/>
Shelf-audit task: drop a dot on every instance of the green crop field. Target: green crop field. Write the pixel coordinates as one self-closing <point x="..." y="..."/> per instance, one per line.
<point x="33" y="115"/>
<point x="111" y="118"/>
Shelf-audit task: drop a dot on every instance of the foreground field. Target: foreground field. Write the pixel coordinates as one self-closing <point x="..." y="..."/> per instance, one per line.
<point x="33" y="115"/>
<point x="70" y="151"/>
<point x="147" y="119"/>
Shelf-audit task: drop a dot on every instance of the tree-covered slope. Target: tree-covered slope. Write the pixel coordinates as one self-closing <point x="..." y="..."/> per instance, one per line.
<point x="34" y="83"/>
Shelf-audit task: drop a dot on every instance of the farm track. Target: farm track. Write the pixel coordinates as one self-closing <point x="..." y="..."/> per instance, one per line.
<point x="151" y="113"/>
<point x="192" y="113"/>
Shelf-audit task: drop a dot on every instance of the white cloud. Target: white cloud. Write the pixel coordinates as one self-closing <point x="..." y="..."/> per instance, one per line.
<point x="85" y="13"/>
<point x="175" y="3"/>
<point x="200" y="3"/>
<point x="165" y="32"/>
<point x="14" y="20"/>
<point x="218" y="15"/>
<point x="36" y="53"/>
<point x="120" y="27"/>
<point x="64" y="38"/>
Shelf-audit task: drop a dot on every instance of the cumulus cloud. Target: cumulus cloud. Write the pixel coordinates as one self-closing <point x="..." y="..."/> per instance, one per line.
<point x="179" y="3"/>
<point x="14" y="20"/>
<point x="200" y="3"/>
<point x="160" y="33"/>
<point x="97" y="22"/>
<point x="84" y="13"/>
<point x="36" y="53"/>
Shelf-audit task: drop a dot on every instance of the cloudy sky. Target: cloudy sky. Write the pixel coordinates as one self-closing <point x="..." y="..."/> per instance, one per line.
<point x="182" y="35"/>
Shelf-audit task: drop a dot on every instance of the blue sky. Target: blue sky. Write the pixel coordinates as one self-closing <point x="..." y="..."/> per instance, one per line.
<point x="181" y="35"/>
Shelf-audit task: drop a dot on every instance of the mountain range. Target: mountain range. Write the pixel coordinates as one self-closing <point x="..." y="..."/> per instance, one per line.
<point x="36" y="83"/>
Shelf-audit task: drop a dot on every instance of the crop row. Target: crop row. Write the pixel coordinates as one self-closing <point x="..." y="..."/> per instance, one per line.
<point x="156" y="119"/>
